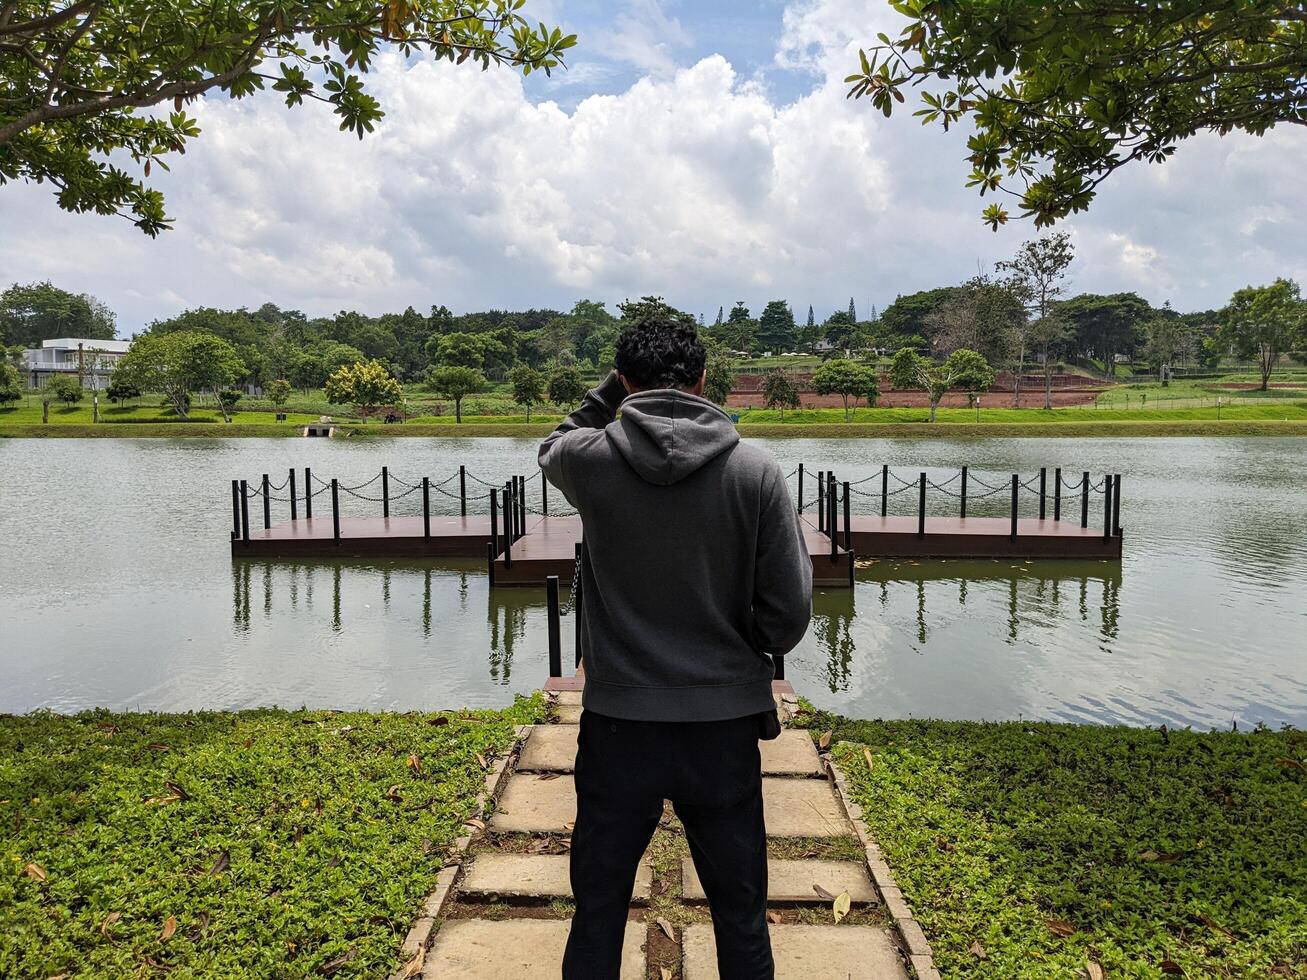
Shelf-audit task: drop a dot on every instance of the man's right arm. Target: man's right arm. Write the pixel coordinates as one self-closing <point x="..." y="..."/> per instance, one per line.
<point x="598" y="408"/>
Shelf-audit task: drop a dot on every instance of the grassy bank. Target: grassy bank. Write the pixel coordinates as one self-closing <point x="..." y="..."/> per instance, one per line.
<point x="1032" y="850"/>
<point x="255" y="844"/>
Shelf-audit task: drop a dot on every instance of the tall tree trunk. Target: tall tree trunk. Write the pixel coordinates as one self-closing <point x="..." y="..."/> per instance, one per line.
<point x="1021" y="369"/>
<point x="458" y="410"/>
<point x="1266" y="362"/>
<point x="934" y="407"/>
<point x="1048" y="382"/>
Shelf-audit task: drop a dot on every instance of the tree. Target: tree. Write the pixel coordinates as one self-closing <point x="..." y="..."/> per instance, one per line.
<point x="178" y="364"/>
<point x="776" y="330"/>
<point x="740" y="331"/>
<point x="778" y="391"/>
<point x="849" y="380"/>
<point x="719" y="377"/>
<point x="963" y="369"/>
<point x="456" y="383"/>
<point x="566" y="387"/>
<point x="73" y="74"/>
<point x="64" y="389"/>
<point x="277" y="390"/>
<point x="1047" y="337"/>
<point x="1063" y="95"/>
<point x="1263" y="322"/>
<point x="843" y="332"/>
<point x="981" y="315"/>
<point x="1036" y="274"/>
<point x="120" y="391"/>
<point x="11" y="384"/>
<point x="1169" y="338"/>
<point x="458" y="349"/>
<point x="853" y="311"/>
<point x="227" y="399"/>
<point x="528" y="387"/>
<point x="1106" y="325"/>
<point x="42" y="311"/>
<point x="718" y="321"/>
<point x="366" y="385"/>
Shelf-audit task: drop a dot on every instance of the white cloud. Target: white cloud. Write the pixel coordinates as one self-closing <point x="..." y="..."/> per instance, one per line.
<point x="693" y="183"/>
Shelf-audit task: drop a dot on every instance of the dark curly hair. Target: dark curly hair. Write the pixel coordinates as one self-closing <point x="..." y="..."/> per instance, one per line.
<point x="660" y="351"/>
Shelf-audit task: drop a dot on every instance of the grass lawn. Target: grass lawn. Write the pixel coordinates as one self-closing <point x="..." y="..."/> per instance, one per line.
<point x="257" y="844"/>
<point x="1243" y="411"/>
<point x="29" y="413"/>
<point x="1030" y="850"/>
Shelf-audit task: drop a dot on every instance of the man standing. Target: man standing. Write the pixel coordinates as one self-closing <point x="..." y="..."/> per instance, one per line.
<point x="695" y="574"/>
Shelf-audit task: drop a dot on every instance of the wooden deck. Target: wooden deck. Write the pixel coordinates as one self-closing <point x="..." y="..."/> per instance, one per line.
<point x="369" y="537"/>
<point x="976" y="537"/>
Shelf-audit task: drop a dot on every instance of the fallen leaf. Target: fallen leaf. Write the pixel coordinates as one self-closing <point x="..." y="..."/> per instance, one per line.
<point x="107" y="922"/>
<point x="482" y="760"/>
<point x="823" y="893"/>
<point x="978" y="951"/>
<point x="666" y="927"/>
<point x="329" y="968"/>
<point x="1291" y="764"/>
<point x="475" y="822"/>
<point x="169" y="927"/>
<point x="1171" y="966"/>
<point x="1161" y="857"/>
<point x="177" y="791"/>
<point x="201" y="927"/>
<point x="157" y="747"/>
<point x="1060" y="927"/>
<point x="841" y="905"/>
<point x="544" y="777"/>
<point x="415" y="764"/>
<point x="393" y="794"/>
<point x="570" y="825"/>
<point x="774" y="918"/>
<point x="866" y="754"/>
<point x="414" y="966"/>
<point x="664" y="973"/>
<point x="823" y="742"/>
<point x="440" y="720"/>
<point x="220" y="863"/>
<point x="34" y="871"/>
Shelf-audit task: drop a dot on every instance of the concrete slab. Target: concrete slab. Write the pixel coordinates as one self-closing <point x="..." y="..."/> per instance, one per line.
<point x="552" y="748"/>
<point x="805" y="953"/>
<point x="802" y="808"/>
<point x="568" y="714"/>
<point x="534" y="876"/>
<point x="532" y="805"/>
<point x="790" y="754"/>
<point x="513" y="949"/>
<point x="792" y="881"/>
<point x="569" y="697"/>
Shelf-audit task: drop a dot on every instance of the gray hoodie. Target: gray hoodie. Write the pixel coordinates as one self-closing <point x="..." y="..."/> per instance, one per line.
<point x="696" y="568"/>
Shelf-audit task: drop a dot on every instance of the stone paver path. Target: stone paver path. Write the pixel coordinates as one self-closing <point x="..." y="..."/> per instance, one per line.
<point x="506" y="917"/>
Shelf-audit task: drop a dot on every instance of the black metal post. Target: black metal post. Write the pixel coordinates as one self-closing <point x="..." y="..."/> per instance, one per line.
<point x="832" y="517"/>
<point x="335" y="509"/>
<point x="490" y="562"/>
<point x="555" y="642"/>
<point x="821" y="500"/>
<point x="245" y="511"/>
<point x="1057" y="494"/>
<point x="462" y="490"/>
<point x="1043" y="492"/>
<point x="921" y="506"/>
<point x="1084" y="499"/>
<point x="884" y="489"/>
<point x="577" y="596"/>
<point x="963" y="511"/>
<point x="544" y="495"/>
<point x="848" y="532"/>
<point x="778" y="663"/>
<point x="510" y="521"/>
<point x="1116" y="505"/>
<point x="294" y="504"/>
<point x="800" y="488"/>
<point x="1016" y="485"/>
<point x="308" y="494"/>
<point x="494" y="521"/>
<point x="235" y="509"/>
<point x="521" y="505"/>
<point x="426" y="507"/>
<point x="385" y="491"/>
<point x="1107" y="506"/>
<point x="267" y="504"/>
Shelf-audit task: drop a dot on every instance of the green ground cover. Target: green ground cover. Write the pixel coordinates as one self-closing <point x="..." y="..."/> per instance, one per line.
<point x="29" y="413"/>
<point x="257" y="844"/>
<point x="1033" y="849"/>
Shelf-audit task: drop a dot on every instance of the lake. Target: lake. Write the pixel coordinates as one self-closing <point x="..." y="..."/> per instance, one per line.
<point x="117" y="589"/>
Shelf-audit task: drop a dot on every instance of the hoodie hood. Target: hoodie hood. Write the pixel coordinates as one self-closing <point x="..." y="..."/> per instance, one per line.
<point x="667" y="434"/>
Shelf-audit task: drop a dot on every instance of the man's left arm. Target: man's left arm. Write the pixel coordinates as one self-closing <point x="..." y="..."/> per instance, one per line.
<point x="597" y="409"/>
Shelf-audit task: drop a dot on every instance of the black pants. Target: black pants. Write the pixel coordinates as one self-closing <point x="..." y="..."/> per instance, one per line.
<point x="712" y="774"/>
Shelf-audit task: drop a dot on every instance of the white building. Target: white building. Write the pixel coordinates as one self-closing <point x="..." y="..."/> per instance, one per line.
<point x="91" y="360"/>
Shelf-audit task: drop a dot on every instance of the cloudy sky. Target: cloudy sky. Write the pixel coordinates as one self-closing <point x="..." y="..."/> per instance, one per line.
<point x="704" y="152"/>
